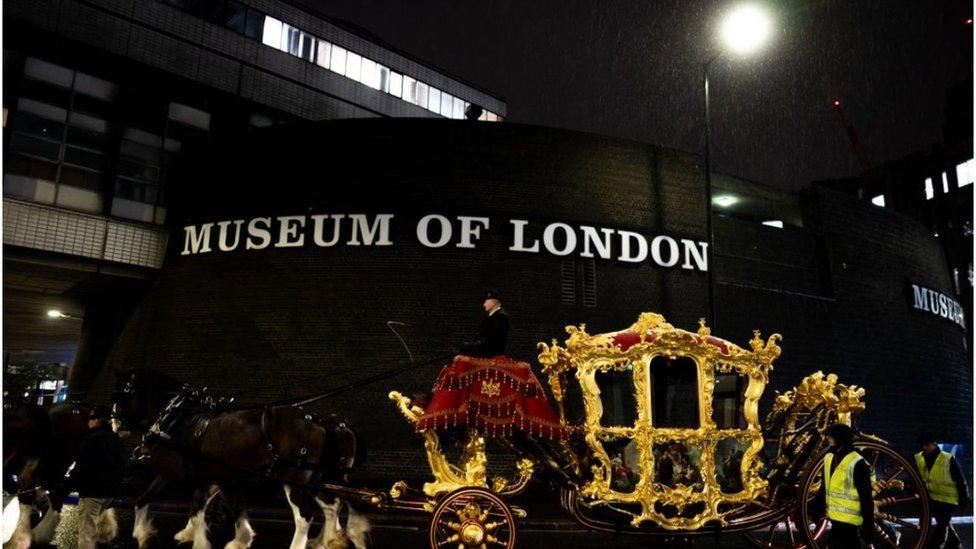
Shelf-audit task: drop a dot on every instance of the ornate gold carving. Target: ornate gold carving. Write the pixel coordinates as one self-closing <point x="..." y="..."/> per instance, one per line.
<point x="817" y="389"/>
<point x="472" y="468"/>
<point x="586" y="355"/>
<point x="491" y="388"/>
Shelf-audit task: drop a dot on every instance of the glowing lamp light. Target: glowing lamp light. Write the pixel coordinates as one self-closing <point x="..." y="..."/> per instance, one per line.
<point x="54" y="313"/>
<point x="725" y="200"/>
<point x="837" y="103"/>
<point x="746" y="29"/>
<point x="969" y="21"/>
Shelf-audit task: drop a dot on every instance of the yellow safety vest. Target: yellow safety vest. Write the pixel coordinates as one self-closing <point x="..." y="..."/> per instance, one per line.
<point x="938" y="479"/>
<point x="843" y="503"/>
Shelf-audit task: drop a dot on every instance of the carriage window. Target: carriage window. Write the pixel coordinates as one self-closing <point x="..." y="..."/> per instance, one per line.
<point x="617" y="396"/>
<point x="727" y="399"/>
<point x="728" y="464"/>
<point x="674" y="393"/>
<point x="676" y="463"/>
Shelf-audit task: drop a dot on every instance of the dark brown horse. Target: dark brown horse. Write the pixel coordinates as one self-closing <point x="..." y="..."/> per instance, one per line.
<point x="197" y="441"/>
<point x="39" y="444"/>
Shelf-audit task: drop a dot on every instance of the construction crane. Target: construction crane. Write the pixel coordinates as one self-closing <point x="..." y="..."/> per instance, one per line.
<point x="859" y="152"/>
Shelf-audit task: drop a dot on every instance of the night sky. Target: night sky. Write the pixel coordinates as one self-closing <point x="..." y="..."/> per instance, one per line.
<point x="632" y="69"/>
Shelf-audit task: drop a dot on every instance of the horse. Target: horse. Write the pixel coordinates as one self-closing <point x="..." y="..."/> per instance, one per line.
<point x="198" y="441"/>
<point x="40" y="444"/>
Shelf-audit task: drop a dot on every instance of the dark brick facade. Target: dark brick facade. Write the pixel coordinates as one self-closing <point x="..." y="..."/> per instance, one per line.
<point x="277" y="323"/>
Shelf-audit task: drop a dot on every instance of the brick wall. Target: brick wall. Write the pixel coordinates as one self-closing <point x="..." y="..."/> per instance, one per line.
<point x="279" y="323"/>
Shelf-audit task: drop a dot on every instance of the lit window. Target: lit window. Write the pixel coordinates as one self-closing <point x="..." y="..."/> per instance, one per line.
<point x="878" y="200"/>
<point x="396" y="84"/>
<point x="306" y="47"/>
<point x="491" y="117"/>
<point x="483" y="116"/>
<point x="384" y="78"/>
<point x="370" y="74"/>
<point x="409" y="89"/>
<point x="422" y="94"/>
<point x="434" y="100"/>
<point x="945" y="183"/>
<point x="459" y="107"/>
<point x="773" y="223"/>
<point x="447" y="104"/>
<point x="324" y="54"/>
<point x="95" y="87"/>
<point x="291" y="40"/>
<point x="929" y="190"/>
<point x="966" y="172"/>
<point x="354" y="66"/>
<point x="338" y="62"/>
<point x="272" y="32"/>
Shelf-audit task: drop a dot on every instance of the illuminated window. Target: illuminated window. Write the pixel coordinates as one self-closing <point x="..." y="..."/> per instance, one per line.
<point x="459" y="107"/>
<point x="929" y="190"/>
<point x="384" y="73"/>
<point x="324" y="54"/>
<point x="773" y="223"/>
<point x="434" y="100"/>
<point x="396" y="84"/>
<point x="491" y="117"/>
<point x="290" y="39"/>
<point x="878" y="200"/>
<point x="189" y="116"/>
<point x="370" y="74"/>
<point x="447" y="105"/>
<point x="966" y="172"/>
<point x="409" y="89"/>
<point x="306" y="47"/>
<point x="354" y="66"/>
<point x="272" y="32"/>
<point x="338" y="62"/>
<point x="422" y="94"/>
<point x="945" y="183"/>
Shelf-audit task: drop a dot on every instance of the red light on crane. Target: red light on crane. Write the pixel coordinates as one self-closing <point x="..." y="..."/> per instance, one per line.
<point x="837" y="103"/>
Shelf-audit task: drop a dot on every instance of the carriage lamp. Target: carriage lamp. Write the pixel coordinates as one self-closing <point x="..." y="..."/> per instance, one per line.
<point x="56" y="313"/>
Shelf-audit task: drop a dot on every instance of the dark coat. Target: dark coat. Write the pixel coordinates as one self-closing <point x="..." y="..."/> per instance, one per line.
<point x="492" y="336"/>
<point x="98" y="469"/>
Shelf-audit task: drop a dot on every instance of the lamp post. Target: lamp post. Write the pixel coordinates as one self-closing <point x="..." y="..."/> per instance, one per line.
<point x="744" y="29"/>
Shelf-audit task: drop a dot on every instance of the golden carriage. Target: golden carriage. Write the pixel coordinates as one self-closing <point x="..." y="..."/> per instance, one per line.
<point x="663" y="437"/>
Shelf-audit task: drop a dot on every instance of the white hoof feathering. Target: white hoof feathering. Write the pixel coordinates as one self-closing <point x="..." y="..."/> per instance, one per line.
<point x="107" y="527"/>
<point x="243" y="535"/>
<point x="143" y="529"/>
<point x="44" y="531"/>
<point x="357" y="528"/>
<point x="186" y="534"/>
<point x="200" y="540"/>
<point x="20" y="538"/>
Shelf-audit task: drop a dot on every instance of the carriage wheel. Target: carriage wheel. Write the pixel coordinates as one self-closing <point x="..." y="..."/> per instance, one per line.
<point x="901" y="503"/>
<point x="472" y="517"/>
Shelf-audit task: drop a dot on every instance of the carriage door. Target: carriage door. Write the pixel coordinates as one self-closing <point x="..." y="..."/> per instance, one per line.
<point x="674" y="404"/>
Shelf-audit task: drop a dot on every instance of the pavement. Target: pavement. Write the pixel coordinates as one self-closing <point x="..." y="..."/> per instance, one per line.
<point x="274" y="530"/>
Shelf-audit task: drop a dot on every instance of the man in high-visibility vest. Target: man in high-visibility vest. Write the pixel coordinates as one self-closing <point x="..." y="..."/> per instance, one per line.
<point x="948" y="491"/>
<point x="847" y="488"/>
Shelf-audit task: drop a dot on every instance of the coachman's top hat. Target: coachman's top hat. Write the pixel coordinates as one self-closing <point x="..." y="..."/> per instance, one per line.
<point x="491" y="294"/>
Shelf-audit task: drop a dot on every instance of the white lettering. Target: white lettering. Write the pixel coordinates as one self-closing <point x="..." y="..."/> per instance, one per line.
<point x="361" y="225"/>
<point x="319" y="230"/>
<point x="697" y="251"/>
<point x="591" y="237"/>
<point x="222" y="239"/>
<point x="423" y="234"/>
<point x="625" y="241"/>
<point x="549" y="239"/>
<point x="921" y="297"/>
<point x="262" y="235"/>
<point x="656" y="251"/>
<point x="518" y="242"/>
<point x="197" y="242"/>
<point x="471" y="229"/>
<point x="288" y="227"/>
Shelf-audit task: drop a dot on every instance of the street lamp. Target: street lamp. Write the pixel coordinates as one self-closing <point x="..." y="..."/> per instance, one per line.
<point x="744" y="30"/>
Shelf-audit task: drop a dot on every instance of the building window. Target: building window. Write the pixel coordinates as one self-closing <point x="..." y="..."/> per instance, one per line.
<point x="929" y="190"/>
<point x="966" y="172"/>
<point x="271" y="35"/>
<point x="567" y="281"/>
<point x="878" y="200"/>
<point x="190" y="116"/>
<point x="589" y="282"/>
<point x="396" y="84"/>
<point x="354" y="66"/>
<point x="945" y="183"/>
<point x="773" y="223"/>
<point x="324" y="54"/>
<point x="338" y="63"/>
